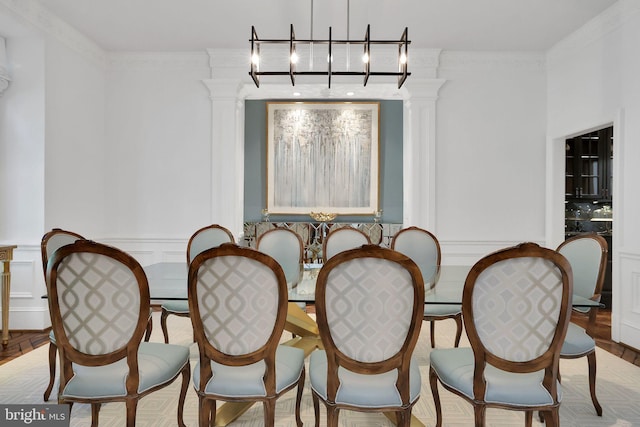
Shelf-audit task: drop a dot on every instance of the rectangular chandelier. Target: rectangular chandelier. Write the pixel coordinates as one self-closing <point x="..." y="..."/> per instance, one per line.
<point x="365" y="44"/>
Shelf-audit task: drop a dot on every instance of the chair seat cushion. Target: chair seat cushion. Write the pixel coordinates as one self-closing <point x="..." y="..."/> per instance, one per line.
<point x="247" y="381"/>
<point x="454" y="367"/>
<point x="369" y="391"/>
<point x="577" y="343"/>
<point x="158" y="363"/>
<point x="442" y="310"/>
<point x="178" y="306"/>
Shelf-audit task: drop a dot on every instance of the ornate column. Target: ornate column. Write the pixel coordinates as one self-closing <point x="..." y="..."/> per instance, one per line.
<point x="227" y="154"/>
<point x="419" y="173"/>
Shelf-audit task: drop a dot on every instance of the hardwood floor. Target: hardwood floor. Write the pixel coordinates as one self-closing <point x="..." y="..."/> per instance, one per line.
<point x="22" y="342"/>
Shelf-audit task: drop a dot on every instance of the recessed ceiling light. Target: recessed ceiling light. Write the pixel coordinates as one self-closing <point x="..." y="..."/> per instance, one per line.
<point x="350" y="93"/>
<point x="296" y="93"/>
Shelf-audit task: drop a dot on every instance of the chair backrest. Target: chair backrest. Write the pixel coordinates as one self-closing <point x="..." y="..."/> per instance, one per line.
<point x="342" y="239"/>
<point x="206" y="238"/>
<point x="369" y="308"/>
<point x="238" y="304"/>
<point x="423" y="248"/>
<point x="54" y="239"/>
<point x="516" y="306"/>
<point x="99" y="305"/>
<point x="285" y="246"/>
<point x="587" y="254"/>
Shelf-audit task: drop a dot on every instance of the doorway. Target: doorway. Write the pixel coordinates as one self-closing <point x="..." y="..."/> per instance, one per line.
<point x="588" y="191"/>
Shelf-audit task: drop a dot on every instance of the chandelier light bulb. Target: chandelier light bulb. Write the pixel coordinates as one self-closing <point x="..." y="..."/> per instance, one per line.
<point x="294" y="58"/>
<point x="255" y="59"/>
<point x="330" y="58"/>
<point x="403" y="58"/>
<point x="365" y="58"/>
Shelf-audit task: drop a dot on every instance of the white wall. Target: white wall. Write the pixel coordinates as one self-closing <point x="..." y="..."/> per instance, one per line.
<point x="490" y="148"/>
<point x="593" y="81"/>
<point x="51" y="144"/>
<point x="158" y="145"/>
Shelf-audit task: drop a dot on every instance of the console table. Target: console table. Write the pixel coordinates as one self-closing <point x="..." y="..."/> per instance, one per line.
<point x="313" y="234"/>
<point x="6" y="254"/>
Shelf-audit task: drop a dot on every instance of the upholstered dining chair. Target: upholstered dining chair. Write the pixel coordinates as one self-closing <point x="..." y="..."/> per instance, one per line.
<point x="238" y="302"/>
<point x="516" y="307"/>
<point x="205" y="238"/>
<point x="587" y="254"/>
<point x="424" y="249"/>
<point x="341" y="239"/>
<point x="51" y="241"/>
<point x="99" y="304"/>
<point x="285" y="246"/>
<point x="369" y="309"/>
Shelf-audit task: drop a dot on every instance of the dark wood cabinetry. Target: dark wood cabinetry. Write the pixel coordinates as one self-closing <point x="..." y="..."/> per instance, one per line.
<point x="589" y="165"/>
<point x="588" y="191"/>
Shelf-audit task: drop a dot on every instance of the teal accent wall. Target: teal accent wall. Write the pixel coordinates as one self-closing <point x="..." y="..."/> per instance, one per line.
<point x="255" y="164"/>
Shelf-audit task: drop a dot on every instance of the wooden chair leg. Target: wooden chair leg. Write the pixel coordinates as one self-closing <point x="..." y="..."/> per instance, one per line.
<point x="53" y="350"/>
<point x="332" y="416"/>
<point x="186" y="377"/>
<point x="432" y="330"/>
<point x="132" y="407"/>
<point x="147" y="334"/>
<point x="528" y="418"/>
<point x="269" y="412"/>
<point x="95" y="411"/>
<point x="591" y="357"/>
<point x="433" y="380"/>
<point x="458" y="319"/>
<point x="316" y="409"/>
<point x="299" y="397"/>
<point x="479" y="415"/>
<point x="163" y="325"/>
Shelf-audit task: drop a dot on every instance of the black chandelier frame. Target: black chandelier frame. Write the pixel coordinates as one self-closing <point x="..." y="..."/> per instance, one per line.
<point x="366" y="43"/>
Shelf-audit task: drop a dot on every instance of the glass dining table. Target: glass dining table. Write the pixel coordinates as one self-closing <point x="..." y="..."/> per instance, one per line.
<point x="168" y="281"/>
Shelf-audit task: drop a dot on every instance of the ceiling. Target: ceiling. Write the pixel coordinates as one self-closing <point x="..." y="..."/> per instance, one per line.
<point x="192" y="25"/>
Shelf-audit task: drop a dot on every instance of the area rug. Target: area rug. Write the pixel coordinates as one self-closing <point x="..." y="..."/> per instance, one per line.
<point x="23" y="380"/>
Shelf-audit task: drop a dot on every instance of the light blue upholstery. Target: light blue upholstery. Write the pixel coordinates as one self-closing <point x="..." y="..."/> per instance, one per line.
<point x="158" y="363"/>
<point x="369" y="304"/>
<point x="99" y="303"/>
<point x="437" y="310"/>
<point x="516" y="308"/>
<point x="205" y="238"/>
<point x="239" y="301"/>
<point x="455" y="370"/>
<point x="177" y="306"/>
<point x="284" y="246"/>
<point x="424" y="249"/>
<point x="587" y="254"/>
<point x="367" y="391"/>
<point x="342" y="239"/>
<point x="247" y="381"/>
<point x="577" y="342"/>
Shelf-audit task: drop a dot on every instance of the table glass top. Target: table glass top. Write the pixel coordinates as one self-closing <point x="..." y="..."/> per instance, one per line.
<point x="168" y="281"/>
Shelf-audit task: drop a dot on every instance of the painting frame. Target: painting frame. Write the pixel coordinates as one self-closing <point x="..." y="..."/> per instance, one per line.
<point x="323" y="157"/>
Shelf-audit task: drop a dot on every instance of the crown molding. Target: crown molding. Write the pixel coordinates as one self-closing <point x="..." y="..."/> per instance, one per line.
<point x="490" y="59"/>
<point x="40" y="17"/>
<point x="149" y="60"/>
<point x="608" y="21"/>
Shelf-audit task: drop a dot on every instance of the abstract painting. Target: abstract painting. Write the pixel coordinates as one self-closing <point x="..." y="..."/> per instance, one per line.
<point x="322" y="157"/>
